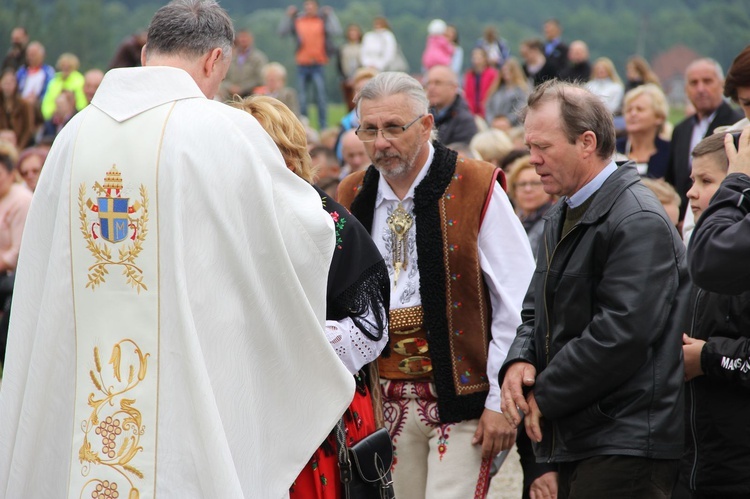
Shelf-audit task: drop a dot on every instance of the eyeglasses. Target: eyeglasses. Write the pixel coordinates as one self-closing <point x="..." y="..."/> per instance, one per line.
<point x="524" y="185"/>
<point x="389" y="132"/>
<point x="440" y="83"/>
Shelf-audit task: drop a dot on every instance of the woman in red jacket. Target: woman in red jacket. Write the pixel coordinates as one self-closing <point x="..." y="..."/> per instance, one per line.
<point x="478" y="80"/>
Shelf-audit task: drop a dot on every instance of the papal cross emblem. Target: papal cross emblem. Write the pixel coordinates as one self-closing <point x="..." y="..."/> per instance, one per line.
<point x="122" y="226"/>
<point x="113" y="218"/>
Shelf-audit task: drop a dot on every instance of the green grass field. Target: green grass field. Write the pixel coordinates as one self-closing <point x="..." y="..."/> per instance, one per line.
<point x="335" y="113"/>
<point x="676" y="114"/>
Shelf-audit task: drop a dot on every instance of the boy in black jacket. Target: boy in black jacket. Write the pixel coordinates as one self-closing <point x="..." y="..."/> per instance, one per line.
<point x="717" y="363"/>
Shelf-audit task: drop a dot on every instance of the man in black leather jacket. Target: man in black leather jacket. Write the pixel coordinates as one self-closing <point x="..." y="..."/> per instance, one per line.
<point x="596" y="366"/>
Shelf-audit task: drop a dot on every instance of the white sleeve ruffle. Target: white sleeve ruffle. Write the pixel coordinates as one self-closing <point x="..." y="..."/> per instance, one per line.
<point x="351" y="345"/>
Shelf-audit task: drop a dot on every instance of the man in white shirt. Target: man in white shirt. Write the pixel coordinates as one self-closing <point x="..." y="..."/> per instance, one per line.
<point x="704" y="86"/>
<point x="166" y="336"/>
<point x="35" y="75"/>
<point x="459" y="262"/>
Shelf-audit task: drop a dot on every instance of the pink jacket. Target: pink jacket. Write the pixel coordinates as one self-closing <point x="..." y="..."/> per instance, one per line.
<point x="438" y="51"/>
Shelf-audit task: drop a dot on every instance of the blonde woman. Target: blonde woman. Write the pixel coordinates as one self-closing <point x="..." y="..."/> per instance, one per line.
<point x="507" y="96"/>
<point x="645" y="110"/>
<point x="531" y="202"/>
<point x="638" y="72"/>
<point x="67" y="78"/>
<point x="491" y="145"/>
<point x="357" y="297"/>
<point x="606" y="83"/>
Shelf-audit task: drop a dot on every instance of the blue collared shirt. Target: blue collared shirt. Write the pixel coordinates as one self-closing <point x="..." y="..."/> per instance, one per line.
<point x="589" y="189"/>
<point x="550" y="46"/>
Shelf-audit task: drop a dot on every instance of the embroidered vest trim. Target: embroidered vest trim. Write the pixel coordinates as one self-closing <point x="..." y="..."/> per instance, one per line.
<point x="449" y="205"/>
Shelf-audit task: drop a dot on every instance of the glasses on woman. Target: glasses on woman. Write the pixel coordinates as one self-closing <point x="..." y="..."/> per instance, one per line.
<point x="389" y="132"/>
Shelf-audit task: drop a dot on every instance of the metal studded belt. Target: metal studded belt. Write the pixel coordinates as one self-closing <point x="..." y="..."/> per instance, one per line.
<point x="410" y="353"/>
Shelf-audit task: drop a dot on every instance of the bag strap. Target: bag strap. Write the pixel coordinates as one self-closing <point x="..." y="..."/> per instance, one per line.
<point x="385" y="488"/>
<point x="345" y="465"/>
<point x="376" y="395"/>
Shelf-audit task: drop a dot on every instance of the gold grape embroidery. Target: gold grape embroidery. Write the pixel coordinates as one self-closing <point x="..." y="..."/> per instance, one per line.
<point x="113" y="431"/>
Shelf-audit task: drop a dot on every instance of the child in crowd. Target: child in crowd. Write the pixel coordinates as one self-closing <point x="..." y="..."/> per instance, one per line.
<point x="667" y="196"/>
<point x="717" y="369"/>
<point x="438" y="50"/>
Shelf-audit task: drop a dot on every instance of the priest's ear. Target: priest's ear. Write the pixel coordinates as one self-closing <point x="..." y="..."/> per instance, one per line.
<point x="215" y="61"/>
<point x="212" y="68"/>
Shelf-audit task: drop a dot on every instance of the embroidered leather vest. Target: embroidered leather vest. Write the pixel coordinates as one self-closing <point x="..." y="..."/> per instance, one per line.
<point x="449" y="205"/>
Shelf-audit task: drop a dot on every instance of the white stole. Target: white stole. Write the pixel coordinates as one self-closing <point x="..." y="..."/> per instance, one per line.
<point x="115" y="267"/>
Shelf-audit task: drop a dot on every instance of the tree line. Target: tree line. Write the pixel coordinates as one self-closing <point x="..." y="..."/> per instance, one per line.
<point x="92" y="29"/>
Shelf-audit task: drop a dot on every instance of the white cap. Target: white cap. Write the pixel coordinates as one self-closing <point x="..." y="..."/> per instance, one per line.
<point x="436" y="27"/>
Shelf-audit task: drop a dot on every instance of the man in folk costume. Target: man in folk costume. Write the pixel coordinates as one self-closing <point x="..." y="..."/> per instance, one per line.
<point x="459" y="263"/>
<point x="167" y="327"/>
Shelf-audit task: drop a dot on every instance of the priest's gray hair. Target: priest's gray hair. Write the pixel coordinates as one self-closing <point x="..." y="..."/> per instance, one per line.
<point x="190" y="28"/>
<point x="393" y="83"/>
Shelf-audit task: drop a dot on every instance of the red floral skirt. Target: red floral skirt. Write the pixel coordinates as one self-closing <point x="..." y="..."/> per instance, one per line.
<point x="320" y="477"/>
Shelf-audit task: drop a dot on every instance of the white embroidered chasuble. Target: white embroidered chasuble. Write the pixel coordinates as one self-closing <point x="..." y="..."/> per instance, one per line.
<point x="115" y="262"/>
<point x="223" y="296"/>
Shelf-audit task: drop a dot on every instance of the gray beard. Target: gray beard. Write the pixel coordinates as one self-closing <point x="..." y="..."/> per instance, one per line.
<point x="399" y="171"/>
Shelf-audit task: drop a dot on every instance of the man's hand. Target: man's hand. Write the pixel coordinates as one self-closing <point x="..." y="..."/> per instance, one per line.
<point x="544" y="487"/>
<point x="533" y="421"/>
<point x="739" y="161"/>
<point x="494" y="433"/>
<point x="691" y="350"/>
<point x="517" y="376"/>
<point x="291" y="11"/>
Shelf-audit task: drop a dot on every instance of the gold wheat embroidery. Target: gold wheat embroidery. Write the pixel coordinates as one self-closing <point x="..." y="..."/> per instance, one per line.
<point x="113" y="431"/>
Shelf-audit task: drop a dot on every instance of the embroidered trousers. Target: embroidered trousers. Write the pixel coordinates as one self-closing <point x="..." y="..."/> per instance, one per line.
<point x="431" y="459"/>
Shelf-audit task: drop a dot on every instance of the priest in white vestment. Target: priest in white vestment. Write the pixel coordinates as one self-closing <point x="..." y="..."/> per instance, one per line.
<point x="166" y="337"/>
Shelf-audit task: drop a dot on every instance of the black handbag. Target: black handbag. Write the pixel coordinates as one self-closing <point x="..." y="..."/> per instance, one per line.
<point x="366" y="466"/>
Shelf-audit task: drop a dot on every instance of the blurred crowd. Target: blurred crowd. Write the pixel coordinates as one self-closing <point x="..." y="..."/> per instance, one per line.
<point x="470" y="94"/>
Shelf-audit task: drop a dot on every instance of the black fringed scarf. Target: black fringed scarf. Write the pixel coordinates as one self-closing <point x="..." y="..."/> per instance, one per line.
<point x="358" y="282"/>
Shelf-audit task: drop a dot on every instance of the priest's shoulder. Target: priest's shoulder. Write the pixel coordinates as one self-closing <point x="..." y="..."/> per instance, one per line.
<point x="209" y="115"/>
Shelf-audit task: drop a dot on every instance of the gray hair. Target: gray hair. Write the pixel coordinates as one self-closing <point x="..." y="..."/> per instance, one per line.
<point x="393" y="83"/>
<point x="713" y="62"/>
<point x="273" y="66"/>
<point x="38" y="45"/>
<point x="580" y="110"/>
<point x="190" y="28"/>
